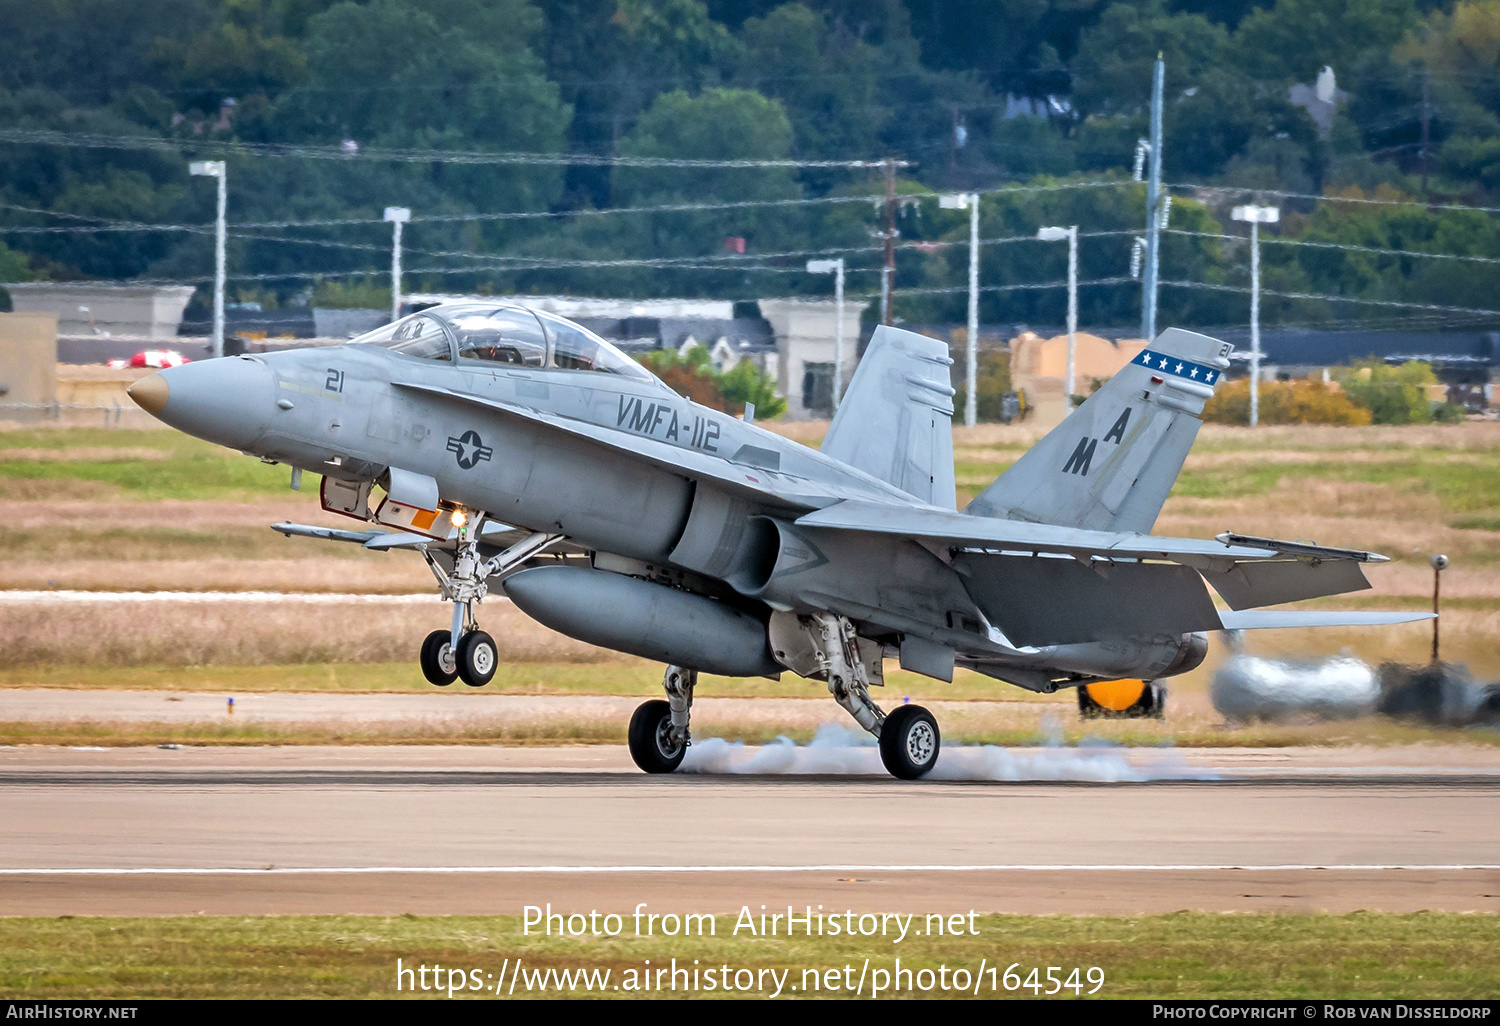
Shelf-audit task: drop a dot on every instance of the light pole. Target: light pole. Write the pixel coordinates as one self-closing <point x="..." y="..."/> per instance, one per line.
<point x="970" y="200"/>
<point x="1257" y="216"/>
<point x="1057" y="235"/>
<point x="836" y="267"/>
<point x="1153" y="206"/>
<point x="397" y="216"/>
<point x="215" y="169"/>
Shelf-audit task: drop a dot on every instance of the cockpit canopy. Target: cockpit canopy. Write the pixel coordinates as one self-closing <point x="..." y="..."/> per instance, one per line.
<point x="502" y="333"/>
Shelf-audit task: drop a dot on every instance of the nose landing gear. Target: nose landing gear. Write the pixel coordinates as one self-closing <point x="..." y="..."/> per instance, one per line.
<point x="464" y="651"/>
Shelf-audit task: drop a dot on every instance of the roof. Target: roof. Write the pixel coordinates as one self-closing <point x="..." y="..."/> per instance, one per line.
<point x="1301" y="347"/>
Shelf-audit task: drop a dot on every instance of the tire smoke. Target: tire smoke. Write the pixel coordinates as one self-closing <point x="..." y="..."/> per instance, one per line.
<point x="839" y="750"/>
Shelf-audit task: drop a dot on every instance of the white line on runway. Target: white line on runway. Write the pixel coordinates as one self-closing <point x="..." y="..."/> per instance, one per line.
<point x="316" y="598"/>
<point x="1123" y="867"/>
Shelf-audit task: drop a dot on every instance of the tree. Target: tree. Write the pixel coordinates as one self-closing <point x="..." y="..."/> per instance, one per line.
<point x="243" y="52"/>
<point x="991" y="382"/>
<point x="1393" y="395"/>
<point x="827" y="80"/>
<point x="746" y="383"/>
<point x="693" y="376"/>
<point x="1113" y="70"/>
<point x="1385" y="276"/>
<point x="1295" y="39"/>
<point x="1285" y="402"/>
<point x="450" y="74"/>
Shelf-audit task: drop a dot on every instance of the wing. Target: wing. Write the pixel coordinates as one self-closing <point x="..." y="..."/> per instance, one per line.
<point x="1118" y="584"/>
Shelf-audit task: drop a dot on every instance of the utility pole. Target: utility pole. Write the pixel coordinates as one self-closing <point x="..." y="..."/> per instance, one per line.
<point x="397" y="216"/>
<point x="1153" y="214"/>
<point x="1256" y="216"/>
<point x="216" y="169"/>
<point x="971" y="353"/>
<point x="1057" y="235"/>
<point x="888" y="271"/>
<point x="837" y="268"/>
<point x="1439" y="564"/>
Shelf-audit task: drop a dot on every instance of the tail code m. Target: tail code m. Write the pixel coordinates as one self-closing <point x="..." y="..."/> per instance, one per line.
<point x="1078" y="463"/>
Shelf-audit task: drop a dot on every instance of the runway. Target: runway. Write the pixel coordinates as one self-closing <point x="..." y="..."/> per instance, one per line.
<point x="488" y="830"/>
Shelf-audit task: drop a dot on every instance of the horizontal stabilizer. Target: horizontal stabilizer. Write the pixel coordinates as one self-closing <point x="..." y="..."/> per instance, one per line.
<point x="1267" y="619"/>
<point x="1270" y="582"/>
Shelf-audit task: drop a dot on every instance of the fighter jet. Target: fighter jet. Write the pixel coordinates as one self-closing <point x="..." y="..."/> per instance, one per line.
<point x="517" y="450"/>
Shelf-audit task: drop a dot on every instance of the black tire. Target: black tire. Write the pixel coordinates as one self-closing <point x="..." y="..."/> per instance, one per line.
<point x="477" y="658"/>
<point x="436" y="659"/>
<point x="909" y="742"/>
<point x="649" y="730"/>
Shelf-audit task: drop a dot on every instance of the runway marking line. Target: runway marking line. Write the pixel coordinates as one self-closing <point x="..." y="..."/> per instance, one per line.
<point x="1126" y="867"/>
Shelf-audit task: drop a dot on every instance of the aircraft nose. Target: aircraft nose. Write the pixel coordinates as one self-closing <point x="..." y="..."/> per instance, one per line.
<point x="150" y="393"/>
<point x="228" y="400"/>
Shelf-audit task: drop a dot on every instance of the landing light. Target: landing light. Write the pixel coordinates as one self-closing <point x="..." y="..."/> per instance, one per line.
<point x="459" y="518"/>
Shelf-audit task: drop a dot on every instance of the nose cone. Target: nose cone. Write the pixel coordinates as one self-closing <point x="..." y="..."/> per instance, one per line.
<point x="150" y="393"/>
<point x="228" y="400"/>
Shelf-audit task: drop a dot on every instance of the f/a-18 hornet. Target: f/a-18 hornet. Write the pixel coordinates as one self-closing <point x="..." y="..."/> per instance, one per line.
<point x="518" y="450"/>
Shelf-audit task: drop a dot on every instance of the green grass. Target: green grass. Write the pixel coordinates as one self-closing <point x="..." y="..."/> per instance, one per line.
<point x="624" y="678"/>
<point x="1185" y="955"/>
<point x="193" y="469"/>
<point x="1461" y="486"/>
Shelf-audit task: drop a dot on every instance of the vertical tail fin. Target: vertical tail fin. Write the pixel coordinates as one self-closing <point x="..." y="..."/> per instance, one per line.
<point x="1111" y="463"/>
<point x="896" y="420"/>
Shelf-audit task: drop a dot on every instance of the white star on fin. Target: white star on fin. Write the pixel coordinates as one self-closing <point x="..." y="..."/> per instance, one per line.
<point x="1163" y="363"/>
<point x="1193" y="373"/>
<point x="1179" y="368"/>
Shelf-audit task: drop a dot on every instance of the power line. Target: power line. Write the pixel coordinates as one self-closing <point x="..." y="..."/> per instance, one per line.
<point x="418" y="156"/>
<point x="1337" y="199"/>
<point x="1281" y="240"/>
<point x="1335" y="299"/>
<point x="662" y="208"/>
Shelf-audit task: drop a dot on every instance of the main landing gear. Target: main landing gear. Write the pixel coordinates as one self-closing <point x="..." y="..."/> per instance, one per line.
<point x="659" y="736"/>
<point x="464" y="651"/>
<point x="822" y="647"/>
